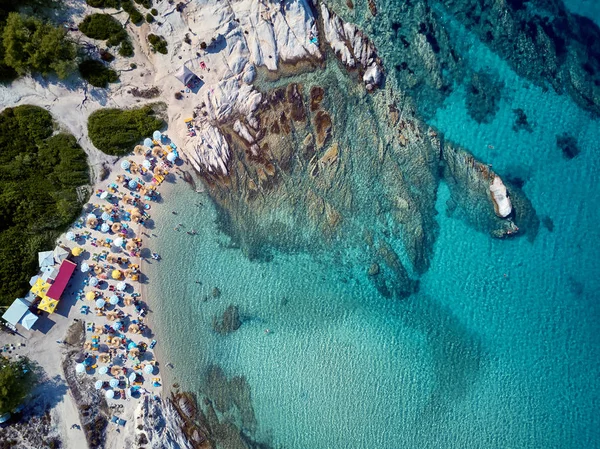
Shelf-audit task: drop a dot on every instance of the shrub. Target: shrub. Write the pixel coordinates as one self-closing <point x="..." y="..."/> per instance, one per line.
<point x="159" y="44"/>
<point x="39" y="175"/>
<point x="97" y="74"/>
<point x="103" y="3"/>
<point x="106" y="56"/>
<point x="149" y="18"/>
<point x="126" y="49"/>
<point x="117" y="131"/>
<point x="135" y="16"/>
<point x="103" y="27"/>
<point x="154" y="12"/>
<point x="178" y="95"/>
<point x="145" y="3"/>
<point x="17" y="379"/>
<point x="133" y="65"/>
<point x="203" y="45"/>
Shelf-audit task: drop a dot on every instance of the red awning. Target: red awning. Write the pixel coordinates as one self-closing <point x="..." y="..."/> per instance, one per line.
<point x="62" y="279"/>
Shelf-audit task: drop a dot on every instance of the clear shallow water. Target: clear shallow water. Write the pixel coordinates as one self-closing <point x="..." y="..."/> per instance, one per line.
<point x="475" y="359"/>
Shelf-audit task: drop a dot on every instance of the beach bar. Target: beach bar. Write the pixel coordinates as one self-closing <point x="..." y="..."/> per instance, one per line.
<point x="18" y="313"/>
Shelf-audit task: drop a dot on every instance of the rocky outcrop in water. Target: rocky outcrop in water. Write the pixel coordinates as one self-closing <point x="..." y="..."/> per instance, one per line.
<point x="229" y="322"/>
<point x="158" y="425"/>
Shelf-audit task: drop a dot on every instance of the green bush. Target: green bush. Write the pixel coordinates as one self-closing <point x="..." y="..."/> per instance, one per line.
<point x="97" y="74"/>
<point x="39" y="174"/>
<point x="126" y="49"/>
<point x="159" y="44"/>
<point x="135" y="16"/>
<point x="154" y="12"/>
<point x="117" y="131"/>
<point x="17" y="379"/>
<point x="104" y="3"/>
<point x="149" y="18"/>
<point x="103" y="27"/>
<point x="30" y="45"/>
<point x="145" y="3"/>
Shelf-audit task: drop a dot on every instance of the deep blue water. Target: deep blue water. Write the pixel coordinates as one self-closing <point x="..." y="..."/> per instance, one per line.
<point x="498" y="349"/>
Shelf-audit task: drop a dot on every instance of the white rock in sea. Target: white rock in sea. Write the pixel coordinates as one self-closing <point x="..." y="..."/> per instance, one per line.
<point x="211" y="153"/>
<point x="351" y="46"/>
<point x="502" y="204"/>
<point x="161" y="424"/>
<point x="242" y="131"/>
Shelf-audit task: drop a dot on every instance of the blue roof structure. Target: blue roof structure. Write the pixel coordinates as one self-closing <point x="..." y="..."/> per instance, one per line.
<point x="16" y="311"/>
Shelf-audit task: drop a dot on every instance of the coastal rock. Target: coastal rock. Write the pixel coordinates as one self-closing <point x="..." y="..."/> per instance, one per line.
<point x="322" y="122"/>
<point x="502" y="204"/>
<point x="353" y="48"/>
<point x="229" y="322"/>
<point x="316" y="96"/>
<point x="158" y="422"/>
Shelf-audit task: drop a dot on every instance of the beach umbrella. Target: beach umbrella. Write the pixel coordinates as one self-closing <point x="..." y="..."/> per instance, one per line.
<point x="104" y="195"/>
<point x="114" y="300"/>
<point x="91" y="217"/>
<point x="80" y="368"/>
<point x="148" y="142"/>
<point x="116" y="227"/>
<point x="85" y="267"/>
<point x="100" y="303"/>
<point x="90" y="296"/>
<point x="114" y="383"/>
<point x="117" y="325"/>
<point x="121" y="286"/>
<point x="109" y="394"/>
<point x="171" y="157"/>
<point x="118" y="241"/>
<point x="133" y="184"/>
<point x="98" y="270"/>
<point x="139" y="149"/>
<point x="77" y="251"/>
<point x="156" y="135"/>
<point x="70" y="236"/>
<point x="157" y="151"/>
<point x="146" y="164"/>
<point x="115" y="370"/>
<point x="103" y="370"/>
<point x="131" y="345"/>
<point x="149" y="369"/>
<point x="116" y="274"/>
<point x="105" y="227"/>
<point x="99" y="384"/>
<point x="105" y="216"/>
<point x="132" y="377"/>
<point x="130" y="246"/>
<point x="93" y="281"/>
<point x="125" y="164"/>
<point x="92" y="222"/>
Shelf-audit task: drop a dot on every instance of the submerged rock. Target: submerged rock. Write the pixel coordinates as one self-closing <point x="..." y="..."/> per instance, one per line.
<point x="229" y="322"/>
<point x="568" y="145"/>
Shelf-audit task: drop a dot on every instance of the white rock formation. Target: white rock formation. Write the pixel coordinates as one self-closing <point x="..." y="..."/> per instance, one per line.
<point x="352" y="46"/>
<point x="161" y="424"/>
<point x="502" y="204"/>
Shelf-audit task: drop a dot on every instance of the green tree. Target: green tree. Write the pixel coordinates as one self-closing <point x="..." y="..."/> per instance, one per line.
<point x="17" y="379"/>
<point x="31" y="45"/>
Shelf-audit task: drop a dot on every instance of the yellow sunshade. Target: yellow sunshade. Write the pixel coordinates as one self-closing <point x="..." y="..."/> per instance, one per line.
<point x="90" y="296"/>
<point x="116" y="274"/>
<point x="77" y="251"/>
<point x="48" y="305"/>
<point x="40" y="287"/>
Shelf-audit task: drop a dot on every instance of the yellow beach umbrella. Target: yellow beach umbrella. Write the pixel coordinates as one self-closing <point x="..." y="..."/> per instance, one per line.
<point x="77" y="251"/>
<point x="90" y="296"/>
<point x="40" y="287"/>
<point x="116" y="274"/>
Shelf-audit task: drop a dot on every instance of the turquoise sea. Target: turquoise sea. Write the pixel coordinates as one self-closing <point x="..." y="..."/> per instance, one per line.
<point x="499" y="348"/>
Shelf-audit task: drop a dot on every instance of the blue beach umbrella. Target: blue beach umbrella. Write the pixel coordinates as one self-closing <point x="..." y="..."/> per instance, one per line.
<point x="93" y="281"/>
<point x="106" y="216"/>
<point x="80" y="368"/>
<point x="105" y="227"/>
<point x="125" y="164"/>
<point x="171" y="157"/>
<point x="70" y="236"/>
<point x="114" y="383"/>
<point x="156" y="135"/>
<point x="131" y="345"/>
<point x="103" y="370"/>
<point x="117" y="325"/>
<point x="99" y="384"/>
<point x="100" y="303"/>
<point x="114" y="300"/>
<point x="147" y="164"/>
<point x="109" y="394"/>
<point x="133" y="184"/>
<point x="149" y="369"/>
<point x="132" y="377"/>
<point x="148" y="142"/>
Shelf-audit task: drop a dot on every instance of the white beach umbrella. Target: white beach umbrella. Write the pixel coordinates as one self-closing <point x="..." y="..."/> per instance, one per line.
<point x="80" y="368"/>
<point x="100" y="303"/>
<point x="109" y="394"/>
<point x="71" y="236"/>
<point x="105" y="227"/>
<point x="106" y="216"/>
<point x="149" y="369"/>
<point x="156" y="135"/>
<point x="91" y="217"/>
<point x="148" y="143"/>
<point x="118" y="241"/>
<point x="147" y="164"/>
<point x="121" y="286"/>
<point x="84" y="267"/>
<point x="132" y="377"/>
<point x="99" y="384"/>
<point x="171" y="157"/>
<point x="103" y="369"/>
<point x="93" y="281"/>
<point x="104" y="195"/>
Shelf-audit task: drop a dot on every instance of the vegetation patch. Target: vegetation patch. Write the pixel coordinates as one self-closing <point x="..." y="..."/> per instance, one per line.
<point x="17" y="379"/>
<point x="117" y="131"/>
<point x="134" y="15"/>
<point x="159" y="44"/>
<point x="106" y="27"/>
<point x="39" y="176"/>
<point x="97" y="74"/>
<point x="104" y="3"/>
<point x="32" y="45"/>
<point x="145" y="3"/>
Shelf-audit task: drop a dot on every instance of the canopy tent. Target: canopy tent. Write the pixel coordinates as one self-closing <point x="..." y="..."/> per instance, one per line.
<point x="48" y="304"/>
<point x="29" y="320"/>
<point x="184" y="75"/>
<point x="49" y="273"/>
<point x="40" y="287"/>
<point x="60" y="283"/>
<point x="16" y="311"/>
<point x="45" y="258"/>
<point x="33" y="280"/>
<point x="60" y="254"/>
